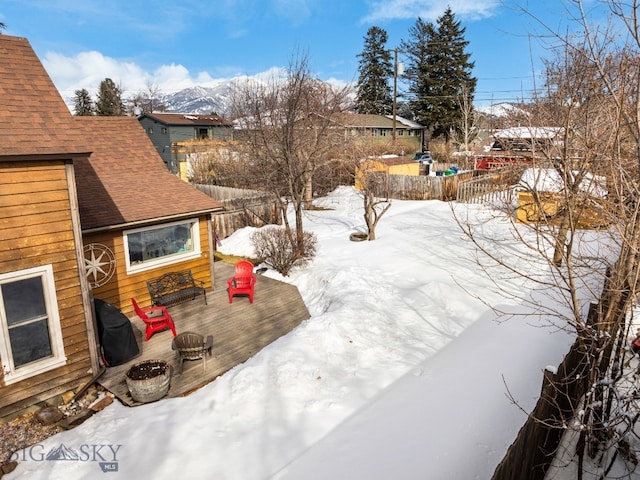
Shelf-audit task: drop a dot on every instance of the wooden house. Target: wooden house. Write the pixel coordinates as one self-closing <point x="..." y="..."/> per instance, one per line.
<point x="526" y="146"/>
<point x="527" y="139"/>
<point x="87" y="210"/>
<point x="138" y="220"/>
<point x="47" y="337"/>
<point x="168" y="130"/>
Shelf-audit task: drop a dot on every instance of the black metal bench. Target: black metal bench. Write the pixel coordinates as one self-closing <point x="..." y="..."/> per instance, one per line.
<point x="175" y="287"/>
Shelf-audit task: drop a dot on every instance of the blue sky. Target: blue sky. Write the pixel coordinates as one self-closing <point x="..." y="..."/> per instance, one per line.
<point x="175" y="44"/>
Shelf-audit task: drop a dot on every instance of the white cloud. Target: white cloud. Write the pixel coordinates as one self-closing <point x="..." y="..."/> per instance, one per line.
<point x="429" y="10"/>
<point x="87" y="69"/>
<point x="170" y="78"/>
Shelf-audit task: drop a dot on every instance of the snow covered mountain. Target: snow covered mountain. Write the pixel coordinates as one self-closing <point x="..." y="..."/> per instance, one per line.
<point x="199" y="99"/>
<point x="502" y="109"/>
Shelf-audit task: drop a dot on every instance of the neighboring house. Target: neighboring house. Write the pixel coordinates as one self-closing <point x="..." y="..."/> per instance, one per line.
<point x="87" y="210"/>
<point x="526" y="139"/>
<point x="380" y="129"/>
<point x="168" y="130"/>
<point x="47" y="336"/>
<point x="150" y="221"/>
<point x="519" y="145"/>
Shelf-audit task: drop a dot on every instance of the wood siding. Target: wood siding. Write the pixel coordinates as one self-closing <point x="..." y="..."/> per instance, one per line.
<point x="36" y="229"/>
<point x="123" y="286"/>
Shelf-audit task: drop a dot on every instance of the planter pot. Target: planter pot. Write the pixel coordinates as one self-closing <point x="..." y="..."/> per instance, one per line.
<point x="149" y="380"/>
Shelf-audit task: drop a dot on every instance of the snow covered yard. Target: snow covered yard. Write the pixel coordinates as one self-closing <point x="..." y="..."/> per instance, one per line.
<point x="401" y="372"/>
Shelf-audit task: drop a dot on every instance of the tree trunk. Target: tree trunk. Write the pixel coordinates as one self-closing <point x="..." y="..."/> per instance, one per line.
<point x="560" y="242"/>
<point x="308" y="192"/>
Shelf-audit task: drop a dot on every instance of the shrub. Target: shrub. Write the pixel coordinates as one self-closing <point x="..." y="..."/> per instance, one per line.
<point x="273" y="245"/>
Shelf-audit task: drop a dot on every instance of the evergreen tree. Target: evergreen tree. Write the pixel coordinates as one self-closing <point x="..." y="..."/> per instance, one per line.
<point x="109" y="102"/>
<point x="418" y="51"/>
<point x="373" y="94"/>
<point x="83" y="105"/>
<point x="439" y="73"/>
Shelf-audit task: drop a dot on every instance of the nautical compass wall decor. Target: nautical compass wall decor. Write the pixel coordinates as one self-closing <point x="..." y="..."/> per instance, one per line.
<point x="99" y="264"/>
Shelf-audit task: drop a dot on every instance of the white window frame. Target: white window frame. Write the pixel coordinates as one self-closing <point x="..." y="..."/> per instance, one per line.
<point x="168" y="259"/>
<point x="58" y="358"/>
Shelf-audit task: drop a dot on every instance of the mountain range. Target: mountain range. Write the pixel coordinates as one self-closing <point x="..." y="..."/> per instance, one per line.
<point x="203" y="100"/>
<point x="199" y="100"/>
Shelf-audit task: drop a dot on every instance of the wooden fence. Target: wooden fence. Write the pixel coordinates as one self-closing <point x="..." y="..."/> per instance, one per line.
<point x="242" y="208"/>
<point x="476" y="186"/>
<point x="421" y="187"/>
<point x="490" y="186"/>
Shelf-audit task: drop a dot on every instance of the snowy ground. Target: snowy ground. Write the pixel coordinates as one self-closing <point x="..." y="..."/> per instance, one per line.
<point x="401" y="372"/>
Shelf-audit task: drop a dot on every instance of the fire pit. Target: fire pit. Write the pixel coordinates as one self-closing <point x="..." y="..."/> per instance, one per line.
<point x="149" y="380"/>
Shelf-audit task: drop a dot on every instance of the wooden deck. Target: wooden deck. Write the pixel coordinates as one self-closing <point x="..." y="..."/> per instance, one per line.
<point x="239" y="331"/>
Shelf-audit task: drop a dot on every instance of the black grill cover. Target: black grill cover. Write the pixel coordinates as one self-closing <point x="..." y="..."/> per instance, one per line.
<point x="116" y="334"/>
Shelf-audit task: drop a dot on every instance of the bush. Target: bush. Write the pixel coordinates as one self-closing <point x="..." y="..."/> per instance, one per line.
<point x="272" y="244"/>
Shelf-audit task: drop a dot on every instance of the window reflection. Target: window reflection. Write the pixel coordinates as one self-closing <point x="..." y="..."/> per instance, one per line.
<point x="160" y="242"/>
<point x="27" y="320"/>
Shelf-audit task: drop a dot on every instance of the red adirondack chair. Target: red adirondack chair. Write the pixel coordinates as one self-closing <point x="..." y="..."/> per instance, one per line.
<point x="156" y="319"/>
<point x="243" y="282"/>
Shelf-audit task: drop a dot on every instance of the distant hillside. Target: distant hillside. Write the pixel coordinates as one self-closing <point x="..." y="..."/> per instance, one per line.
<point x="503" y="109"/>
<point x="204" y="100"/>
<point x="199" y="100"/>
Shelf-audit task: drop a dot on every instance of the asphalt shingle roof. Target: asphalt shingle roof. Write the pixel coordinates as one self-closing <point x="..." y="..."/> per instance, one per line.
<point x="125" y="181"/>
<point x="34" y="120"/>
<point x="120" y="176"/>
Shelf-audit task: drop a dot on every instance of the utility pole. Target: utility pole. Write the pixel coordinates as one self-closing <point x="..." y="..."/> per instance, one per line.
<point x="398" y="69"/>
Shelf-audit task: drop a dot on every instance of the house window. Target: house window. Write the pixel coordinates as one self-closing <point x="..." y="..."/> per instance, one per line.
<point x="151" y="247"/>
<point x="164" y="130"/>
<point x="150" y="130"/>
<point x="30" y="331"/>
<point x="203" y="133"/>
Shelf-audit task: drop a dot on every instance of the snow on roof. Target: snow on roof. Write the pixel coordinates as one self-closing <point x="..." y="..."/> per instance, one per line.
<point x="528" y="132"/>
<point x="406" y="122"/>
<point x="549" y="180"/>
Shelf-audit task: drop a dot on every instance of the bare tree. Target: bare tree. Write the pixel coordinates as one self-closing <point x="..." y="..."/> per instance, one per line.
<point x="360" y="157"/>
<point x="286" y="129"/>
<point x="588" y="244"/>
<point x="466" y="130"/>
<point x="215" y="163"/>
<point x="147" y="101"/>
